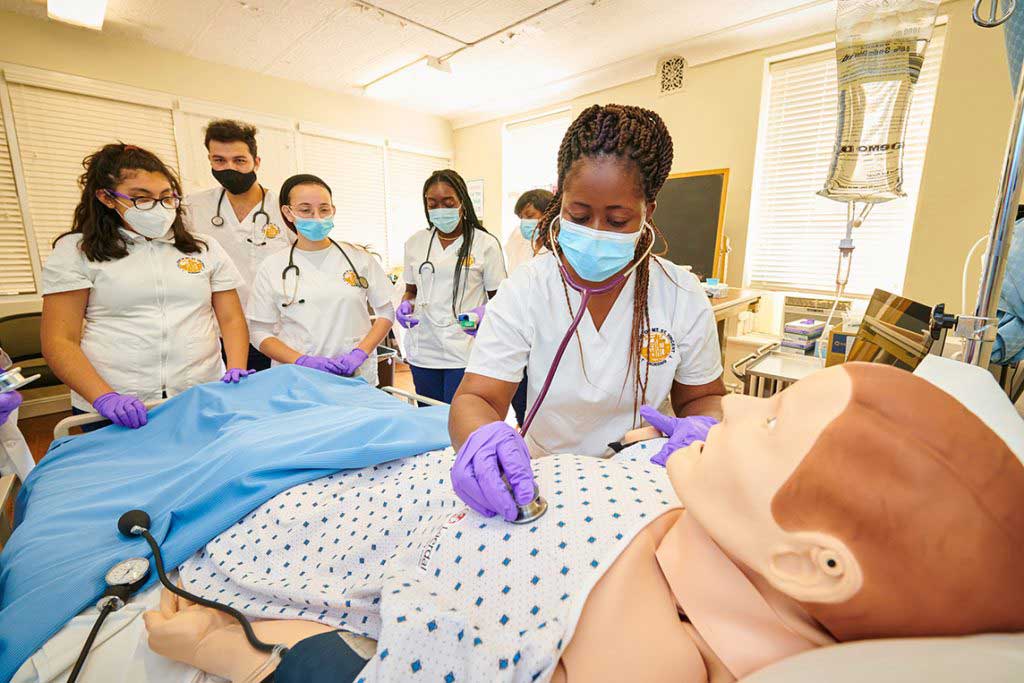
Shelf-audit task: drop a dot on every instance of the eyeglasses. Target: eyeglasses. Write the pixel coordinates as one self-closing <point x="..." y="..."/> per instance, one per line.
<point x="147" y="203"/>
<point x="307" y="211"/>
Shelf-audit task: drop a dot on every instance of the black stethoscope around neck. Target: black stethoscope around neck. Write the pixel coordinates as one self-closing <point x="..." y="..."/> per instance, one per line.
<point x="361" y="281"/>
<point x="218" y="221"/>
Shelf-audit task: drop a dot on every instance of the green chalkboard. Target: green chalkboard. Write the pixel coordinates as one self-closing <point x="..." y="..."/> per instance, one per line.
<point x="690" y="213"/>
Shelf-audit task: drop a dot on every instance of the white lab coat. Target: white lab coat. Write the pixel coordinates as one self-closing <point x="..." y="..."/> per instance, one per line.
<point x="586" y="409"/>
<point x="242" y="240"/>
<point x="334" y="317"/>
<point x="15" y="456"/>
<point x="149" y="326"/>
<point x="438" y="342"/>
<point x="518" y="250"/>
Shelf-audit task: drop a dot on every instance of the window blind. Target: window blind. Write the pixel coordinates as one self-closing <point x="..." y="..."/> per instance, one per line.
<point x="15" y="263"/>
<point x="57" y="129"/>
<point x="795" y="233"/>
<point x="355" y="172"/>
<point x="407" y="171"/>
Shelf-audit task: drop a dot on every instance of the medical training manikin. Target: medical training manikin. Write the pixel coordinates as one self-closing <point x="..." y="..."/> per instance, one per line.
<point x="861" y="503"/>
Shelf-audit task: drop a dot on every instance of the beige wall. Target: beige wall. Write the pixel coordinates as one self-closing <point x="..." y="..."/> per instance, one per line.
<point x="104" y="56"/>
<point x="714" y="124"/>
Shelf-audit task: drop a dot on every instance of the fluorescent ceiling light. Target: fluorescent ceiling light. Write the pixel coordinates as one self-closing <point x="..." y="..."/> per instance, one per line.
<point x="87" y="13"/>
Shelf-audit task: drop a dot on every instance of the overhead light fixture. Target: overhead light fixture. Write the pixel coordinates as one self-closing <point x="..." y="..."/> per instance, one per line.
<point x="87" y="13"/>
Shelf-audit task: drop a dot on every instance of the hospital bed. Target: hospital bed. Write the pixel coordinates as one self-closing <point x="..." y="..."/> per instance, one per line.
<point x="121" y="653"/>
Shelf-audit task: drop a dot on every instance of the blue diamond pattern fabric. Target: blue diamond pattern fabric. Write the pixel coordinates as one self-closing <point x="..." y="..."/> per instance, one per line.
<point x="437" y="615"/>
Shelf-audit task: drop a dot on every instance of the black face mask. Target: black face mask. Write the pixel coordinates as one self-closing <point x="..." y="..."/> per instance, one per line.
<point x="234" y="181"/>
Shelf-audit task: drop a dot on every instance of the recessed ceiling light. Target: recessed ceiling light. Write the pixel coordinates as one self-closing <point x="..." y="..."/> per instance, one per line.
<point x="87" y="13"/>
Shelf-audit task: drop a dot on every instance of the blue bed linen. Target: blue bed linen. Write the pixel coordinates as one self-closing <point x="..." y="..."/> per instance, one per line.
<point x="206" y="459"/>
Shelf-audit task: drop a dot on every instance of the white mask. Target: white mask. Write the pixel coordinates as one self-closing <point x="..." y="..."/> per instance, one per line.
<point x="153" y="224"/>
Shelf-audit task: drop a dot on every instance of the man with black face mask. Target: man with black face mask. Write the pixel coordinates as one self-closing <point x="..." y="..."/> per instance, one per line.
<point x="241" y="214"/>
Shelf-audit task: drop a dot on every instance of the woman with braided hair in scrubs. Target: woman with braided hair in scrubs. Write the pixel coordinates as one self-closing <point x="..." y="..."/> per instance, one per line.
<point x="650" y="337"/>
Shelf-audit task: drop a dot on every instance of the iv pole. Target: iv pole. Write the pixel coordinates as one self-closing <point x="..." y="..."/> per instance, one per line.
<point x="979" y="330"/>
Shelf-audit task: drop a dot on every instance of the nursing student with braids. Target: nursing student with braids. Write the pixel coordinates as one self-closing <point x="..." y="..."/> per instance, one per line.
<point x="649" y="337"/>
<point x="452" y="267"/>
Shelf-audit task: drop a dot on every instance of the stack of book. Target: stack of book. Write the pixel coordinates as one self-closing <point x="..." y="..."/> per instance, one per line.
<point x="799" y="336"/>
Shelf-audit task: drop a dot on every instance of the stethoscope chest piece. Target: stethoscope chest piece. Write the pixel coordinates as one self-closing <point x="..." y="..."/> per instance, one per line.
<point x="533" y="510"/>
<point x="217" y="221"/>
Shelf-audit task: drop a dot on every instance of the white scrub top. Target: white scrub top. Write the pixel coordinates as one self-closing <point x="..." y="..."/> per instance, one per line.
<point x="149" y="327"/>
<point x="247" y="242"/>
<point x="585" y="410"/>
<point x="334" y="318"/>
<point x="438" y="342"/>
<point x="517" y="250"/>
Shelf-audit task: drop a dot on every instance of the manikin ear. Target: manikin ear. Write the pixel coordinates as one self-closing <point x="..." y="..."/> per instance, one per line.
<point x="814" y="567"/>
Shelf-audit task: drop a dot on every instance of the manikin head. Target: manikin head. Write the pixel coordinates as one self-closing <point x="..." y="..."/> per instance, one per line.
<point x="872" y="498"/>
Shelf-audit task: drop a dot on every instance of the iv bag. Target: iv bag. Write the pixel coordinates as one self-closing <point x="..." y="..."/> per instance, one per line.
<point x="880" y="47"/>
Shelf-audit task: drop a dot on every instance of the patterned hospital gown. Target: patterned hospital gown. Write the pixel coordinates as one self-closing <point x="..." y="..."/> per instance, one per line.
<point x="391" y="553"/>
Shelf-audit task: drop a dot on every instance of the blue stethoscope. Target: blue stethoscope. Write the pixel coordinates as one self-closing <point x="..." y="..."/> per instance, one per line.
<point x="218" y="221"/>
<point x="361" y="281"/>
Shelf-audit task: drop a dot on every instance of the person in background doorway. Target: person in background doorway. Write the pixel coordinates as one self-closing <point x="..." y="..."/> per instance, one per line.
<point x="452" y="267"/>
<point x="309" y="304"/>
<point x="241" y="215"/>
<point x="132" y="301"/>
<point x="530" y="208"/>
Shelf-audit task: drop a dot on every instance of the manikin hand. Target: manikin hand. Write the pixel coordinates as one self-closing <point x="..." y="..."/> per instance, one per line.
<point x="193" y="634"/>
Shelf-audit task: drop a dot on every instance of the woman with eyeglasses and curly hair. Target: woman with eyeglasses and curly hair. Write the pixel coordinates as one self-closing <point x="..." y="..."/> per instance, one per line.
<point x="132" y="301"/>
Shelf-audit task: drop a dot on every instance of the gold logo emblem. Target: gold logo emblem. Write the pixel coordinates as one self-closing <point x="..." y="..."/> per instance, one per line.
<point x="657" y="346"/>
<point x="351" y="278"/>
<point x="468" y="262"/>
<point x="191" y="265"/>
<point x="270" y="231"/>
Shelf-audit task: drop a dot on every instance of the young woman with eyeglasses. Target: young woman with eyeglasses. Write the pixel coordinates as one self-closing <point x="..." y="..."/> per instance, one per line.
<point x="132" y="302"/>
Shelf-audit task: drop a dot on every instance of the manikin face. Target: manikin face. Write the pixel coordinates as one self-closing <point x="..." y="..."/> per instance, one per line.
<point x="728" y="484"/>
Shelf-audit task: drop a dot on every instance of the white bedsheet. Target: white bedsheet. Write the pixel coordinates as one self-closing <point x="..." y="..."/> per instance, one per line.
<point x="120" y="654"/>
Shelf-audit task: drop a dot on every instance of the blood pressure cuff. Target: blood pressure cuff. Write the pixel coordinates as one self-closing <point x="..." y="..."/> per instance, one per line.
<point x="206" y="459"/>
<point x="325" y="658"/>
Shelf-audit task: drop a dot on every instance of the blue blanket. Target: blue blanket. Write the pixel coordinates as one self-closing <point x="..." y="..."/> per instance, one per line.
<point x="206" y="459"/>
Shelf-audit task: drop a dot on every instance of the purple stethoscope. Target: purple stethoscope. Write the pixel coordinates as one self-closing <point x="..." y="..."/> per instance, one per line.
<point x="585" y="293"/>
<point x="536" y="508"/>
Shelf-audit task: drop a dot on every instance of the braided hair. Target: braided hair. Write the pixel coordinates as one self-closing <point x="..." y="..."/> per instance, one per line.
<point x="640" y="137"/>
<point x="470" y="223"/>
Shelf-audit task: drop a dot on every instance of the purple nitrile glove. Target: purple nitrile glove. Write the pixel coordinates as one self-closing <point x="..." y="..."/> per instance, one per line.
<point x="479" y="312"/>
<point x="9" y="402"/>
<point x="681" y="431"/>
<point x="404" y="315"/>
<point x="349" y="363"/>
<point x="321" y="363"/>
<point x="122" y="410"/>
<point x="235" y="375"/>
<point x="490" y="451"/>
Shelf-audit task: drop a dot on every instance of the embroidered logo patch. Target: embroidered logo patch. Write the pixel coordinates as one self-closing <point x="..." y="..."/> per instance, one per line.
<point x="657" y="346"/>
<point x="270" y="231"/>
<point x="468" y="262"/>
<point x="351" y="278"/>
<point x="191" y="265"/>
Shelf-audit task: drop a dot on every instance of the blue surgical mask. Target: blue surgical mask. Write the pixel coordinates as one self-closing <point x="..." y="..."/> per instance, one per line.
<point x="314" y="229"/>
<point x="526" y="228"/>
<point x="445" y="220"/>
<point x="595" y="255"/>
